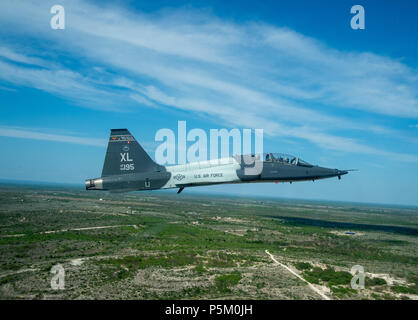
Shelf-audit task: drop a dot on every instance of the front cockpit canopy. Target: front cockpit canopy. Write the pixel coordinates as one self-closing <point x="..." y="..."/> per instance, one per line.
<point x="286" y="159"/>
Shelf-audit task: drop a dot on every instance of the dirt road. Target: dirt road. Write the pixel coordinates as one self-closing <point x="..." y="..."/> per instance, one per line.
<point x="318" y="291"/>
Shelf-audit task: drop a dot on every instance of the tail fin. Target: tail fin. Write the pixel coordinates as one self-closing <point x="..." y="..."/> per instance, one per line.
<point x="124" y="155"/>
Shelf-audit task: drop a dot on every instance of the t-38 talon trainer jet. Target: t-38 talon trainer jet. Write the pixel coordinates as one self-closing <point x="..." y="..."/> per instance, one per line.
<point x="127" y="167"/>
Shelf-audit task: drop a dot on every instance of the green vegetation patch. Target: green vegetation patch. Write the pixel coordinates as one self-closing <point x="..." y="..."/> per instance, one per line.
<point x="328" y="275"/>
<point x="372" y="282"/>
<point x="226" y="281"/>
<point x="405" y="289"/>
<point x="303" y="266"/>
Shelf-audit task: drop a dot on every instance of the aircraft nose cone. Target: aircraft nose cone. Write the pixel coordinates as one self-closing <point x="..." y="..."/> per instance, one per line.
<point x="329" y="173"/>
<point x="342" y="172"/>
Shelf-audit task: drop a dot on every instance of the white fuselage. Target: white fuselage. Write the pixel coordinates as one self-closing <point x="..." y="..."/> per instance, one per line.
<point x="208" y="172"/>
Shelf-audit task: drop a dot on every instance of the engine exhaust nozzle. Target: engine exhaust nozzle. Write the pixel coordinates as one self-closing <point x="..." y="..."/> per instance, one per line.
<point x="94" y="184"/>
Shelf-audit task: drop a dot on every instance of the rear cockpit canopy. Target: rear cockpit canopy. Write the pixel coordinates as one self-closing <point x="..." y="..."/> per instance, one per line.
<point x="286" y="159"/>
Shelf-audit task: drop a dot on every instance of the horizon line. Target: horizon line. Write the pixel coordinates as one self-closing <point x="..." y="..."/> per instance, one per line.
<point x="207" y="194"/>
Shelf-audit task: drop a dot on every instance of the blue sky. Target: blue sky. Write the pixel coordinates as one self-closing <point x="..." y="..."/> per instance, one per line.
<point x="335" y="96"/>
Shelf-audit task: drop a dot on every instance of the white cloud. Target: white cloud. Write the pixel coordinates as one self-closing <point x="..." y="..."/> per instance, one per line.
<point x="59" y="81"/>
<point x="7" y="89"/>
<point x="24" y="133"/>
<point x="9" y="54"/>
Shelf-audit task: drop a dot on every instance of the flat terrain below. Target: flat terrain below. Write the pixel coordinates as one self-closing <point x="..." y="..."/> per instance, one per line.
<point x="167" y="246"/>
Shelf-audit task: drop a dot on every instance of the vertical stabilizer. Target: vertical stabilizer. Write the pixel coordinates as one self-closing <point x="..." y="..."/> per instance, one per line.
<point x="125" y="155"/>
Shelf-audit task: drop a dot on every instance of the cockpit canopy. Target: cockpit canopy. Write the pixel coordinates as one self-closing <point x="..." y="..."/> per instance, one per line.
<point x="285" y="158"/>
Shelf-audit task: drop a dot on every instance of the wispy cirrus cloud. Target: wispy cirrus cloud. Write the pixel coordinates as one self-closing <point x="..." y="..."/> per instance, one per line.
<point x="12" y="55"/>
<point x="7" y="89"/>
<point x="22" y="70"/>
<point x="25" y="133"/>
<point x="251" y="74"/>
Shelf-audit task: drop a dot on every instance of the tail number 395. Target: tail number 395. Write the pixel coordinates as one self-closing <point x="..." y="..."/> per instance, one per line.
<point x="127" y="167"/>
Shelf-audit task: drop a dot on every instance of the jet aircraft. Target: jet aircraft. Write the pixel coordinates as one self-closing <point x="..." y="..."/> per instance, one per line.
<point x="127" y="167"/>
